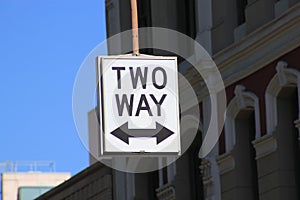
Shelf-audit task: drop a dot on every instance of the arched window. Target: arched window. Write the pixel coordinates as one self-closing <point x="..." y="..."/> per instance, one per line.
<point x="242" y="101"/>
<point x="242" y="126"/>
<point x="285" y="77"/>
<point x="282" y="105"/>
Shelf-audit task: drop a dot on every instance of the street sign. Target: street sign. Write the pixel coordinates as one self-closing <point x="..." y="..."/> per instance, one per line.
<point x="138" y="105"/>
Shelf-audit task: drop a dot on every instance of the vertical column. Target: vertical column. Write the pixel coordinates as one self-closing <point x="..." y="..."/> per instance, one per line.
<point x="267" y="167"/>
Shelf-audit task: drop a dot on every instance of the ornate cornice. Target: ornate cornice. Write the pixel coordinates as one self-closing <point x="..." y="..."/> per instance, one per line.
<point x="261" y="47"/>
<point x="257" y="49"/>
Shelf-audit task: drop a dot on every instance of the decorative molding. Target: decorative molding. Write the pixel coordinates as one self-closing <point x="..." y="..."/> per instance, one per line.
<point x="166" y="192"/>
<point x="257" y="49"/>
<point x="207" y="179"/>
<point x="264" y="146"/>
<point x="284" y="77"/>
<point x="281" y="69"/>
<point x="226" y="163"/>
<point x="266" y="44"/>
<point x="210" y="176"/>
<point x="205" y="169"/>
<point x="242" y="100"/>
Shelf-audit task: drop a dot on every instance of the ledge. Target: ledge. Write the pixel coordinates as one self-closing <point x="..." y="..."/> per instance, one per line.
<point x="264" y="146"/>
<point x="226" y="163"/>
<point x="166" y="192"/>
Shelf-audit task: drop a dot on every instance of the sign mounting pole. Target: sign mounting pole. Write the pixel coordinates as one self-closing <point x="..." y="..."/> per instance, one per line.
<point x="135" y="31"/>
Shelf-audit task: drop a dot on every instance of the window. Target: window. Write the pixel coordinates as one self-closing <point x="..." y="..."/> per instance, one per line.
<point x="241" y="6"/>
<point x="186" y="17"/>
<point x="282" y="106"/>
<point x="244" y="154"/>
<point x="287" y="113"/>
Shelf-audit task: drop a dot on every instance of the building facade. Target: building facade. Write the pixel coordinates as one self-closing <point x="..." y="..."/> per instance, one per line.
<point x="255" y="45"/>
<point x="93" y="183"/>
<point x="28" y="180"/>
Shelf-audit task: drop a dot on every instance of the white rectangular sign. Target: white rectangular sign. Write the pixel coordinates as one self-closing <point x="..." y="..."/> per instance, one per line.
<point x="139" y="105"/>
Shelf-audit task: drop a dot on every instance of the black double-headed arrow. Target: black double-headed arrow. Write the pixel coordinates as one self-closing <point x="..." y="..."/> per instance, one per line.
<point x="124" y="133"/>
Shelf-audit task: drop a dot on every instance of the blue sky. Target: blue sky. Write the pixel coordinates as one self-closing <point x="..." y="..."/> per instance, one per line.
<point x="42" y="45"/>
